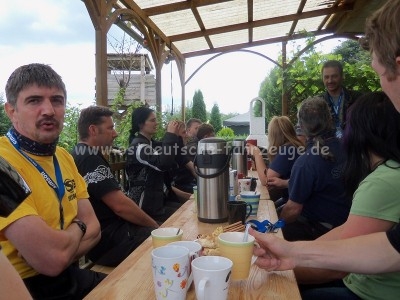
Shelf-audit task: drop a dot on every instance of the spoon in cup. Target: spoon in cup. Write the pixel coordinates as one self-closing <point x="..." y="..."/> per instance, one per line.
<point x="246" y="233"/>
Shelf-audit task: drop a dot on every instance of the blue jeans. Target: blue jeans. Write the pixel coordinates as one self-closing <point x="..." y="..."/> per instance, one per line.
<point x="330" y="291"/>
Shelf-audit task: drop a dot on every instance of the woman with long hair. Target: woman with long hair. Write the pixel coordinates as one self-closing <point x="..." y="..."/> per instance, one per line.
<point x="283" y="149"/>
<point x="148" y="161"/>
<point x="372" y="174"/>
<point x="317" y="198"/>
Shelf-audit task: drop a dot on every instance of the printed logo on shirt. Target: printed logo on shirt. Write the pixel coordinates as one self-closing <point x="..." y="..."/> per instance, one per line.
<point x="70" y="187"/>
<point x="101" y="173"/>
<point x="337" y="172"/>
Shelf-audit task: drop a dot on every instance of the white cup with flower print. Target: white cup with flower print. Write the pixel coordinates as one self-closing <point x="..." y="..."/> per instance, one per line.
<point x="171" y="272"/>
<point x="244" y="185"/>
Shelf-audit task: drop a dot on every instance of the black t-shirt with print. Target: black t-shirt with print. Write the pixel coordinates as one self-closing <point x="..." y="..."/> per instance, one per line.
<point x="96" y="171"/>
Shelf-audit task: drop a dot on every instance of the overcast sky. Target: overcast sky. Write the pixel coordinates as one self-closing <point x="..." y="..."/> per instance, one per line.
<point x="60" y="33"/>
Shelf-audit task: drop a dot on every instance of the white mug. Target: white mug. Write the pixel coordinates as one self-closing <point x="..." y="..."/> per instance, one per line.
<point x="211" y="275"/>
<point x="244" y="185"/>
<point x="194" y="248"/>
<point x="171" y="272"/>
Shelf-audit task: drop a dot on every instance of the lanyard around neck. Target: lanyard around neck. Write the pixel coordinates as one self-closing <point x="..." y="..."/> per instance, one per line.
<point x="336" y="108"/>
<point x="58" y="188"/>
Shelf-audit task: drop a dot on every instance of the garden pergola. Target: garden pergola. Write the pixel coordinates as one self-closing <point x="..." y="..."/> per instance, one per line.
<point x="181" y="29"/>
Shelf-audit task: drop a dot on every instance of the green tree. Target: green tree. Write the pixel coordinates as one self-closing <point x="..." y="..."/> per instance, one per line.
<point x="199" y="107"/>
<point x="123" y="124"/>
<point x="271" y="92"/>
<point x="357" y="62"/>
<point x="351" y="52"/>
<point x="188" y="113"/>
<point x="5" y="122"/>
<point x="215" y="118"/>
<point x="69" y="135"/>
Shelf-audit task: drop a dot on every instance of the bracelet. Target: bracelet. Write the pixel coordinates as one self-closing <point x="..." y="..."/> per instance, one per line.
<point x="82" y="226"/>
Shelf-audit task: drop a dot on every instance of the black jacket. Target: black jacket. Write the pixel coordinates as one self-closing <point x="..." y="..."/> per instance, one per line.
<point x="148" y="162"/>
<point x="349" y="98"/>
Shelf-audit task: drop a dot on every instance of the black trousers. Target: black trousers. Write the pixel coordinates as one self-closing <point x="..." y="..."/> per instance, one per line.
<point x="118" y="240"/>
<point x="303" y="231"/>
<point x="72" y="284"/>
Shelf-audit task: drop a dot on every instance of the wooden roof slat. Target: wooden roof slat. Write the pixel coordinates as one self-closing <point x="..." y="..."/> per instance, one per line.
<point x="168" y="8"/>
<point x="259" y="23"/>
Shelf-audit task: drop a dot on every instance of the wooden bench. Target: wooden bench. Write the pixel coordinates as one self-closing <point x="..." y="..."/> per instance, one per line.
<point x="86" y="263"/>
<point x="102" y="269"/>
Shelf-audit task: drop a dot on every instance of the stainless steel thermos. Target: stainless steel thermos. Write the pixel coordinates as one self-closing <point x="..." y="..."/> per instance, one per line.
<point x="212" y="167"/>
<point x="239" y="156"/>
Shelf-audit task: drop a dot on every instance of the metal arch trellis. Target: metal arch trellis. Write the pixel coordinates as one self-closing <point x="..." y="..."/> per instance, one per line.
<point x="283" y="66"/>
<point x="348" y="36"/>
<point x="222" y="53"/>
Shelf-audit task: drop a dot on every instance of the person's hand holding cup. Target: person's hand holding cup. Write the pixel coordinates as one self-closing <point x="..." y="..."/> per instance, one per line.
<point x="251" y="147"/>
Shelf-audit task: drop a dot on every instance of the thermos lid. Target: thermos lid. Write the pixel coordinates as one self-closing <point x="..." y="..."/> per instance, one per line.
<point x="212" y="140"/>
<point x="212" y="146"/>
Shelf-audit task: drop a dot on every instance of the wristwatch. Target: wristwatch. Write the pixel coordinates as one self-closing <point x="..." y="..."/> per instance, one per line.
<point x="82" y="226"/>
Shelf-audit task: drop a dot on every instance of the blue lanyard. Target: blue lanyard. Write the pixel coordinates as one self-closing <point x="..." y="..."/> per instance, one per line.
<point x="336" y="108"/>
<point x="58" y="188"/>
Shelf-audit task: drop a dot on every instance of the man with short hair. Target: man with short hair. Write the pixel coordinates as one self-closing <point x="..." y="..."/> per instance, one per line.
<point x="55" y="225"/>
<point x="336" y="95"/>
<point x="192" y="126"/>
<point x="203" y="131"/>
<point x="124" y="226"/>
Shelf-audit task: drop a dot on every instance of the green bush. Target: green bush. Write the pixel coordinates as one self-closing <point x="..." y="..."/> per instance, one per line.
<point x="226" y="133"/>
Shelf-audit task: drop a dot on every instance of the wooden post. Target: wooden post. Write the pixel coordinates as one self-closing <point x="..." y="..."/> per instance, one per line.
<point x="284" y="81"/>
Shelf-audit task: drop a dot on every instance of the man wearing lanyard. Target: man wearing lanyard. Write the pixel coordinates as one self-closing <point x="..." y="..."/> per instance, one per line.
<point x="56" y="223"/>
<point x="337" y="96"/>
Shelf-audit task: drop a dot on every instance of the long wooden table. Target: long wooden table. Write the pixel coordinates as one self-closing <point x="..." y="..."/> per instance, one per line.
<point x="133" y="278"/>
